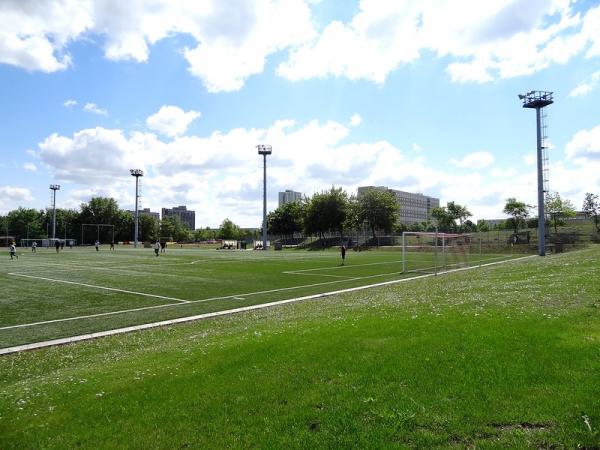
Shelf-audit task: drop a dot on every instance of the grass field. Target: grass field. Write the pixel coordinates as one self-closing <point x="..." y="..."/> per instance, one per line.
<point x="47" y="295"/>
<point x="505" y="356"/>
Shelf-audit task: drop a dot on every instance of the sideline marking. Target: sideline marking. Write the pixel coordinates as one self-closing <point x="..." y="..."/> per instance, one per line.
<point x="99" y="287"/>
<point x="84" y="337"/>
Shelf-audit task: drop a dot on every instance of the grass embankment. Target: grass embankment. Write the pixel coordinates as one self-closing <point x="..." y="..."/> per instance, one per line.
<point x="502" y="357"/>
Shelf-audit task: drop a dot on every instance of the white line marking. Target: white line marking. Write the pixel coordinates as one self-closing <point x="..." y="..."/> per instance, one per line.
<point x="99" y="287"/>
<point x="84" y="337"/>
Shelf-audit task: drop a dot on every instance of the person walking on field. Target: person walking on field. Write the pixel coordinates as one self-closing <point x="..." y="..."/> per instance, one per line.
<point x="57" y="245"/>
<point x="97" y="245"/>
<point x="343" y="252"/>
<point x="34" y="247"/>
<point x="13" y="251"/>
<point x="156" y="248"/>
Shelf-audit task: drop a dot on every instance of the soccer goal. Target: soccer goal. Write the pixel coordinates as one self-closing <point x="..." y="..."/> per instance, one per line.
<point x="432" y="252"/>
<point x="101" y="232"/>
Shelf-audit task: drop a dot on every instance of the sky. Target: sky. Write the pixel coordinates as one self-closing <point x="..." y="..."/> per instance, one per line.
<point x="416" y="95"/>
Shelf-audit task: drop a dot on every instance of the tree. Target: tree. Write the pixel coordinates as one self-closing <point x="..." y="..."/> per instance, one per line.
<point x="148" y="228"/>
<point x="100" y="210"/>
<point x="445" y="221"/>
<point x="326" y="211"/>
<point x="558" y="208"/>
<point x="172" y="226"/>
<point x="591" y="206"/>
<point x="286" y="220"/>
<point x="458" y="212"/>
<point x="518" y="210"/>
<point x="378" y="209"/>
<point x="228" y="230"/>
<point x="24" y="223"/>
<point x="483" y="225"/>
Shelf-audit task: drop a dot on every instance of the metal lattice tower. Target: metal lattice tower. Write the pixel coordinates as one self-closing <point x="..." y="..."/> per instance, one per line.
<point x="538" y="100"/>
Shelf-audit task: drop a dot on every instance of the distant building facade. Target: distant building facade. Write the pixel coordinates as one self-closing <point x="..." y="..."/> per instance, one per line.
<point x="414" y="208"/>
<point x="289" y="197"/>
<point x="147" y="212"/>
<point x="186" y="216"/>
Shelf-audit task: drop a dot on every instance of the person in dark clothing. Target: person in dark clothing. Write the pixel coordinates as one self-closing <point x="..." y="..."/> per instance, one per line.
<point x="57" y="245"/>
<point x="343" y="252"/>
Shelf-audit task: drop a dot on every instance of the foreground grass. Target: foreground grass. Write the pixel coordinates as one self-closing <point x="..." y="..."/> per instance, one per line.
<point x="504" y="357"/>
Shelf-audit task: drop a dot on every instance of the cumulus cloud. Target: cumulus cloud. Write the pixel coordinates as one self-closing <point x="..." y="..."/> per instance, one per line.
<point x="484" y="40"/>
<point x="232" y="39"/>
<point x="13" y="195"/>
<point x="171" y="120"/>
<point x="475" y="160"/>
<point x="30" y="167"/>
<point x="355" y="120"/>
<point x="587" y="86"/>
<point x="584" y="147"/>
<point x="70" y="103"/>
<point x="95" y="109"/>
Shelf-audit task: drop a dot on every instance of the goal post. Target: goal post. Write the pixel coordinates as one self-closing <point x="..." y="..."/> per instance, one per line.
<point x="101" y="232"/>
<point x="432" y="252"/>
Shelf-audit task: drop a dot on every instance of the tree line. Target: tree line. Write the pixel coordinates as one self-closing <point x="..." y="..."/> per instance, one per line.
<point x="29" y="223"/>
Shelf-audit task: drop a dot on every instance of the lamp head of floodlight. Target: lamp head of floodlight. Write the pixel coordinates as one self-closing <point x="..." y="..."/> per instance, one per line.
<point x="55" y="187"/>
<point x="264" y="149"/>
<point x="522" y="97"/>
<point x="536" y="99"/>
<point x="136" y="172"/>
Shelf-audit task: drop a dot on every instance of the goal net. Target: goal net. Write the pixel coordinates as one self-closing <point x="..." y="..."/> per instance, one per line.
<point x="48" y="242"/>
<point x="430" y="252"/>
<point x="101" y="232"/>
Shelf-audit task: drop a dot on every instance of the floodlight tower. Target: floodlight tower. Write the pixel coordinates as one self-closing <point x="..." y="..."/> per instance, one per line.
<point x="137" y="173"/>
<point x="54" y="188"/>
<point x="538" y="100"/>
<point x="264" y="150"/>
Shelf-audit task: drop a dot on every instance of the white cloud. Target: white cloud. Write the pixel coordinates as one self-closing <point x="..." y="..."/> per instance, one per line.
<point x="355" y="120"/>
<point x="584" y="147"/>
<point x="94" y="109"/>
<point x="70" y="103"/>
<point x="11" y="196"/>
<point x="171" y="120"/>
<point x="233" y="40"/>
<point x="530" y="159"/>
<point x="587" y="86"/>
<point x="30" y="167"/>
<point x="484" y="40"/>
<point x="475" y="160"/>
<point x="416" y="147"/>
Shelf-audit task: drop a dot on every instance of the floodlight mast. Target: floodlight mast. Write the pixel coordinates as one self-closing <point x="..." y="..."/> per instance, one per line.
<point x="264" y="150"/>
<point x="54" y="188"/>
<point x="538" y="100"/>
<point x="137" y="173"/>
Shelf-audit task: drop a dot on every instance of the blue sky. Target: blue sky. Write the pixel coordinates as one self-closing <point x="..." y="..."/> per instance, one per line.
<point x="414" y="95"/>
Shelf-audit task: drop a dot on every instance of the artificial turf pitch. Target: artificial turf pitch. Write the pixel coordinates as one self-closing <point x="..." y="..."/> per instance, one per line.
<point x="48" y="295"/>
<point x="505" y="356"/>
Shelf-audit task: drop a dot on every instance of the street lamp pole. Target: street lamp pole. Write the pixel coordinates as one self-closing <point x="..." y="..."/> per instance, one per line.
<point x="264" y="150"/>
<point x="54" y="188"/>
<point x="137" y="173"/>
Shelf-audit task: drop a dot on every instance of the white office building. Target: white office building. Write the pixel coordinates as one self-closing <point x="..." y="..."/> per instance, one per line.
<point x="414" y="208"/>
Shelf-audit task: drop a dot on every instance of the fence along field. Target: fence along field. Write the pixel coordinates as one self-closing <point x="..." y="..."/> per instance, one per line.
<point x="49" y="295"/>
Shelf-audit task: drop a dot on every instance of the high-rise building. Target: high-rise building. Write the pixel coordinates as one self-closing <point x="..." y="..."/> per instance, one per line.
<point x="289" y="197"/>
<point x="147" y="212"/>
<point x="414" y="208"/>
<point x="187" y="217"/>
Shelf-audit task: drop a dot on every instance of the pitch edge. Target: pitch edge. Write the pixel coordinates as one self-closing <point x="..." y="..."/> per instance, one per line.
<point x="99" y="334"/>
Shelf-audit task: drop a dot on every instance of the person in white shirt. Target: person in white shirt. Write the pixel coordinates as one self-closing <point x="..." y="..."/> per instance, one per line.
<point x="156" y="248"/>
<point x="34" y="247"/>
<point x="13" y="251"/>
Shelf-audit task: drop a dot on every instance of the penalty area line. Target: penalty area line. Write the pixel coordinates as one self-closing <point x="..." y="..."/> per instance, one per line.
<point x="89" y="336"/>
<point x="93" y="286"/>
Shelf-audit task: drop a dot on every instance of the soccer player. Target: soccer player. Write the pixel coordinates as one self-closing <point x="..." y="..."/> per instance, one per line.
<point x="156" y="248"/>
<point x="112" y="245"/>
<point x="34" y="247"/>
<point x="343" y="252"/>
<point x="13" y="251"/>
<point x="97" y="245"/>
<point x="57" y="245"/>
